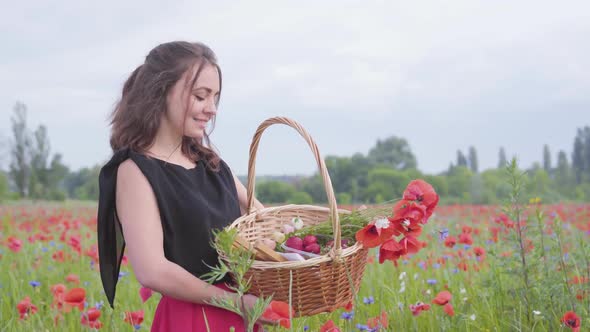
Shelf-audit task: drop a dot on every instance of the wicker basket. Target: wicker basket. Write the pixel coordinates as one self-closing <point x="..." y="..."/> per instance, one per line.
<point x="321" y="284"/>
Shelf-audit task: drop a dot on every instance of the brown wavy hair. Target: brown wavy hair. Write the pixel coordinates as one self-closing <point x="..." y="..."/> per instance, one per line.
<point x="137" y="115"/>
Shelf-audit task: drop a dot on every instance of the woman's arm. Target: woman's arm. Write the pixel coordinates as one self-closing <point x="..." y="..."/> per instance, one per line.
<point x="243" y="196"/>
<point x="140" y="218"/>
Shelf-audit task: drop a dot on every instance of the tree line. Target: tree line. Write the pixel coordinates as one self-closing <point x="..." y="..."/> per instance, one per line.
<point x="377" y="176"/>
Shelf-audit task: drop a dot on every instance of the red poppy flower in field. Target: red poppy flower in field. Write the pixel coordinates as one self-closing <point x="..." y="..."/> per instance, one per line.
<point x="58" y="292"/>
<point x="450" y="241"/>
<point x="448" y="308"/>
<point x="14" y="244"/>
<point x="75" y="298"/>
<point x="479" y="252"/>
<point x="391" y="250"/>
<point x="73" y="278"/>
<point x="280" y="312"/>
<point x="379" y="321"/>
<point x="422" y="191"/>
<point x="90" y="319"/>
<point x="329" y="326"/>
<point x="465" y="238"/>
<point x="25" y="308"/>
<point x="417" y="308"/>
<point x="134" y="317"/>
<point x="58" y="256"/>
<point x="571" y="320"/>
<point x="442" y="298"/>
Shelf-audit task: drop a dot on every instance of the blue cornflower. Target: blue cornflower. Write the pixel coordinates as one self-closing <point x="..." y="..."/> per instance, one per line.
<point x="136" y="327"/>
<point x="347" y="315"/>
<point x="455" y="270"/>
<point x="466" y="247"/>
<point x="443" y="234"/>
<point x="34" y="283"/>
<point x="99" y="305"/>
<point x="122" y="274"/>
<point x="306" y="328"/>
<point x="368" y="300"/>
<point x="422" y="265"/>
<point x="436" y="266"/>
<point x="52" y="243"/>
<point x="44" y="249"/>
<point x="431" y="281"/>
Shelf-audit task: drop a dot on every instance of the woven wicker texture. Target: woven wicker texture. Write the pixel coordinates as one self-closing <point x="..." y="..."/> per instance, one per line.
<point x="321" y="284"/>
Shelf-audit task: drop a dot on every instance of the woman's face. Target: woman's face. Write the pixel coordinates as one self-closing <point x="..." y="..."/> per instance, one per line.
<point x="191" y="118"/>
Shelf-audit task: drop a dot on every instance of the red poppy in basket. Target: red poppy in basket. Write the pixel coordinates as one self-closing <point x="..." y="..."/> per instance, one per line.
<point x="423" y="193"/>
<point x="375" y="233"/>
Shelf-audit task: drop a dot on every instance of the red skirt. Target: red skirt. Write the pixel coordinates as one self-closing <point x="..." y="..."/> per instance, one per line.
<point x="182" y="316"/>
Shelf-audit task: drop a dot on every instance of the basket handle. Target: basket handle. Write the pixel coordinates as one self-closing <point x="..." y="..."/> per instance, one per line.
<point x="337" y="248"/>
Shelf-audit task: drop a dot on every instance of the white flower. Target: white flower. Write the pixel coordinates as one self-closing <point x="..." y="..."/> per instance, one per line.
<point x="381" y="223"/>
<point x="278" y="237"/>
<point x="462" y="291"/>
<point x="297" y="223"/>
<point x="406" y="223"/>
<point x="472" y="317"/>
<point x="415" y="276"/>
<point x="428" y="291"/>
<point x="464" y="299"/>
<point x="402" y="275"/>
<point x="402" y="289"/>
<point x="536" y="313"/>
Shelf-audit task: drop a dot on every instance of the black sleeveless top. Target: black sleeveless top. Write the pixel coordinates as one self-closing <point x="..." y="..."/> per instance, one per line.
<point x="192" y="203"/>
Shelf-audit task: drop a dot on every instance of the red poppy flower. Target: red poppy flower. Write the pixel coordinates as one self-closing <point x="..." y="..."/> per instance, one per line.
<point x="58" y="256"/>
<point x="465" y="238"/>
<point x="14" y="244"/>
<point x="280" y="312"/>
<point x="417" y="308"/>
<point x="73" y="278"/>
<point x="414" y="212"/>
<point x="450" y="241"/>
<point x="134" y="317"/>
<point x="571" y="320"/>
<point x="423" y="192"/>
<point x="329" y="327"/>
<point x="25" y="308"/>
<point x="479" y="252"/>
<point x="90" y="319"/>
<point x="411" y="245"/>
<point x="379" y="321"/>
<point x="391" y="250"/>
<point x="75" y="298"/>
<point x="442" y="298"/>
<point x="373" y="235"/>
<point x="448" y="308"/>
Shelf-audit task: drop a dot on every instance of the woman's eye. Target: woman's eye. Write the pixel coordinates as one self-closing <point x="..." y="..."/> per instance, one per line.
<point x="199" y="98"/>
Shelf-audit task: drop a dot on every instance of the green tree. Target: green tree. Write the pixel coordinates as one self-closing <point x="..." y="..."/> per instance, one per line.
<point x="473" y="163"/>
<point x="502" y="161"/>
<point x="4" y="189"/>
<point x="39" y="180"/>
<point x="578" y="164"/>
<point x="385" y="184"/>
<point x="546" y="159"/>
<point x="394" y="152"/>
<point x="461" y="160"/>
<point x="563" y="175"/>
<point x="274" y="192"/>
<point x="20" y="146"/>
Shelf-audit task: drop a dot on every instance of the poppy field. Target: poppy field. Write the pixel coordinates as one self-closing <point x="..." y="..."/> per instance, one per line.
<point x="483" y="268"/>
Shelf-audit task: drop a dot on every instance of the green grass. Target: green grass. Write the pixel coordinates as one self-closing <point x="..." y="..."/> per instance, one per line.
<point x="489" y="296"/>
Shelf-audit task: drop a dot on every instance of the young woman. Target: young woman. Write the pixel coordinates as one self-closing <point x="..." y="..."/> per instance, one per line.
<point x="165" y="189"/>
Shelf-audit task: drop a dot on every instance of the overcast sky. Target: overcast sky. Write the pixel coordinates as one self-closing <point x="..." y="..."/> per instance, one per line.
<point x="442" y="74"/>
